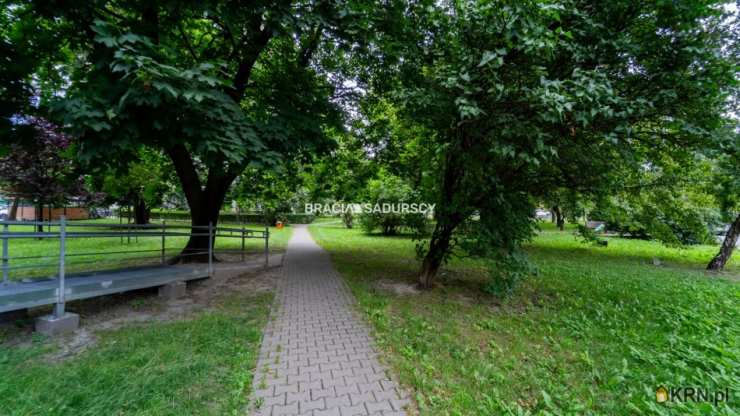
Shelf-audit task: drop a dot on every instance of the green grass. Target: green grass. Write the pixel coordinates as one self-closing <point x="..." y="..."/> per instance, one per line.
<point x="595" y="332"/>
<point x="104" y="250"/>
<point x="197" y="366"/>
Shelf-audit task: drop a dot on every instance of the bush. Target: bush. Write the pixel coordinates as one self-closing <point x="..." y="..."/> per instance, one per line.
<point x="671" y="220"/>
<point x="391" y="190"/>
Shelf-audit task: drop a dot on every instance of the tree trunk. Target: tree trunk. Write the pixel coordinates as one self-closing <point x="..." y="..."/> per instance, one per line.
<point x="196" y="249"/>
<point x="348" y="219"/>
<point x="728" y="245"/>
<point x="438" y="247"/>
<point x="40" y="217"/>
<point x="205" y="202"/>
<point x="560" y="221"/>
<point x="13" y="213"/>
<point x="141" y="211"/>
<point x="447" y="220"/>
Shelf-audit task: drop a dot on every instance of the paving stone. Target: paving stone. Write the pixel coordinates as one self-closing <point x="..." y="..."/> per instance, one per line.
<point x="308" y="406"/>
<point x="386" y="395"/>
<point x="357" y="410"/>
<point x="288" y="409"/>
<point x="328" y="412"/>
<point x="377" y="407"/>
<point x="338" y="401"/>
<point x="317" y="355"/>
<point x="348" y="389"/>
<point x="361" y="398"/>
<point x="299" y="396"/>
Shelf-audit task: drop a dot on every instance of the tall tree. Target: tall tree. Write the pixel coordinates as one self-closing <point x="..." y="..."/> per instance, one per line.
<point x="526" y="96"/>
<point x="217" y="86"/>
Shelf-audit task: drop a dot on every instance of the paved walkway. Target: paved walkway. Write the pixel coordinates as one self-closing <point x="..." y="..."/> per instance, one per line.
<point x="317" y="356"/>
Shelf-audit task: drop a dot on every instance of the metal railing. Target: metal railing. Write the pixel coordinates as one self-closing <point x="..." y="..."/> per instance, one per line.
<point x="65" y="230"/>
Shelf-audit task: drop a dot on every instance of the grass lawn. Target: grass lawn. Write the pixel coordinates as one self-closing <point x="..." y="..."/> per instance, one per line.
<point x="119" y="253"/>
<point x="199" y="365"/>
<point x="596" y="331"/>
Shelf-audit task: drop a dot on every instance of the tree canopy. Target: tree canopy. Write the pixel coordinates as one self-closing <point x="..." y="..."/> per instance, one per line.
<point x="486" y="109"/>
<point x="216" y="86"/>
<point x="520" y="98"/>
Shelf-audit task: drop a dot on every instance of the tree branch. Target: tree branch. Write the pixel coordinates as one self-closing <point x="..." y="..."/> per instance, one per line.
<point x="310" y="47"/>
<point x="186" y="41"/>
<point x="255" y="46"/>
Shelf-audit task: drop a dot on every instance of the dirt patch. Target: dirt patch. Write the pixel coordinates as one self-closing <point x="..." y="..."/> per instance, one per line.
<point x="115" y="311"/>
<point x="397" y="288"/>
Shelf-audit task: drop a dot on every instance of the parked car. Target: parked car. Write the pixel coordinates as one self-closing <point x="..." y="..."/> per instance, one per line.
<point x="3" y="214"/>
<point x="542" y="214"/>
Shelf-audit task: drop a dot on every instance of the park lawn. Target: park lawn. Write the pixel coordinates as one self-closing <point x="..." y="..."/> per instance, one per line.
<point x="113" y="252"/>
<point x="199" y="365"/>
<point x="596" y="331"/>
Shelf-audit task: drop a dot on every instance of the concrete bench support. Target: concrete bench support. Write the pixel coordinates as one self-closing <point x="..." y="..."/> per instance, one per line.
<point x="50" y="325"/>
<point x="173" y="290"/>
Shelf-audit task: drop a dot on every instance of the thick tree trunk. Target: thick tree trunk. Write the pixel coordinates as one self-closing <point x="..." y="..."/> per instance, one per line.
<point x="13" y="213"/>
<point x="142" y="212"/>
<point x="728" y="245"/>
<point x="205" y="202"/>
<point x="196" y="249"/>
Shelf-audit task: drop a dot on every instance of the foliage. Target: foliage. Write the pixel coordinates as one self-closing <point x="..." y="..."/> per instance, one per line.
<point x="391" y="190"/>
<point x="725" y="174"/>
<point x="670" y="204"/>
<point x="342" y="175"/>
<point x="27" y="74"/>
<point x="726" y="181"/>
<point x="525" y="97"/>
<point x="142" y="182"/>
<point x="216" y="88"/>
<point x="595" y="333"/>
<point x="277" y="195"/>
<point x="43" y="171"/>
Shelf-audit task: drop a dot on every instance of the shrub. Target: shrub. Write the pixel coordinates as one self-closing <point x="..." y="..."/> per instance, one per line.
<point x="391" y="190"/>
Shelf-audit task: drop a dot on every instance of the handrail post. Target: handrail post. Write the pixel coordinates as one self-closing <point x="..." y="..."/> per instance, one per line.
<point x="267" y="247"/>
<point x="243" y="237"/>
<point x="120" y="222"/>
<point x="59" y="307"/>
<point x="128" y="225"/>
<point x="5" y="255"/>
<point x="210" y="249"/>
<point x="164" y="228"/>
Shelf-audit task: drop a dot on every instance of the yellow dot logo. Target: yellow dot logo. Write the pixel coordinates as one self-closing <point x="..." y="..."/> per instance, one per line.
<point x="661" y="394"/>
